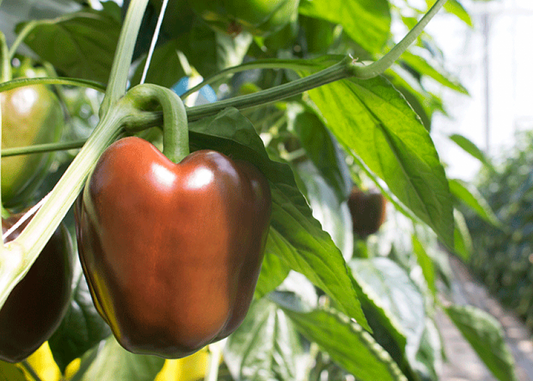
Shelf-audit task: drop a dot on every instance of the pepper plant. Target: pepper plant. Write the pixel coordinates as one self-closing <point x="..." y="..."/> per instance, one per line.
<point x="313" y="97"/>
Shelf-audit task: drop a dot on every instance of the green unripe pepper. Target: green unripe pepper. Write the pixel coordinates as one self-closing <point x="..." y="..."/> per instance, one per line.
<point x="259" y="17"/>
<point x="30" y="115"/>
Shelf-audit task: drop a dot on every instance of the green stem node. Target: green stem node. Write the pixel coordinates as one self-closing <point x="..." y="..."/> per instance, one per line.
<point x="175" y="130"/>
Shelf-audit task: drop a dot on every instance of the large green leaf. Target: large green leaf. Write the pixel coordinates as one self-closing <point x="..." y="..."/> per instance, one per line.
<point x="81" y="328"/>
<point x="81" y="45"/>
<point x="295" y="236"/>
<point x="389" y="287"/>
<point x="115" y="363"/>
<point x="373" y="120"/>
<point x="485" y="335"/>
<point x="346" y="343"/>
<point x="367" y="22"/>
<point x="265" y="347"/>
<point x="471" y="197"/>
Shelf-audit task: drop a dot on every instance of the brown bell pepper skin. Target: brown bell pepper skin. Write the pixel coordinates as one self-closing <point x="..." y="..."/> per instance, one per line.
<point x="38" y="303"/>
<point x="172" y="252"/>
<point x="368" y="211"/>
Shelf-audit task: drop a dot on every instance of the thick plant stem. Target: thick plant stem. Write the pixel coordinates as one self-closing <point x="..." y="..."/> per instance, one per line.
<point x="25" y="249"/>
<point x="333" y="73"/>
<point x="5" y="61"/>
<point x="19" y="254"/>
<point x="118" y="79"/>
<point x="175" y="130"/>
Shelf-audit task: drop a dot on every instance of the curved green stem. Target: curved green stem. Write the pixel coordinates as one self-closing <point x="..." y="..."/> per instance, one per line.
<point x="40" y="148"/>
<point x="22" y="36"/>
<point x="5" y="61"/>
<point x="301" y="64"/>
<point x="333" y="73"/>
<point x="118" y="78"/>
<point x="20" y="82"/>
<point x="175" y="130"/>
<point x="379" y="67"/>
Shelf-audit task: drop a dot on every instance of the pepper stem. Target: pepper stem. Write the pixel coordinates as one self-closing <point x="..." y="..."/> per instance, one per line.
<point x="175" y="128"/>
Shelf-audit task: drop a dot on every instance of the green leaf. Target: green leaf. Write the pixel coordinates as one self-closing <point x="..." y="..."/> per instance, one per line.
<point x="209" y="51"/>
<point x="389" y="287"/>
<point x="274" y="270"/>
<point x="11" y="372"/>
<point x="295" y="236"/>
<point x="346" y="343"/>
<point x="165" y="67"/>
<point x="371" y="118"/>
<point x="367" y="22"/>
<point x="265" y="347"/>
<point x="469" y="147"/>
<point x="322" y="149"/>
<point x="81" y="44"/>
<point x="433" y="70"/>
<point x="463" y="241"/>
<point x="428" y="360"/>
<point x="485" y="335"/>
<point x="115" y="363"/>
<point x="471" y="197"/>
<point x="425" y="263"/>
<point x="456" y="8"/>
<point x="81" y="328"/>
<point x="333" y="214"/>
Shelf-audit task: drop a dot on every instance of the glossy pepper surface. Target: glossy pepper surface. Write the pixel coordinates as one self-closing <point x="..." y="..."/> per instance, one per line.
<point x="30" y="115"/>
<point x="259" y="17"/>
<point x="36" y="306"/>
<point x="172" y="252"/>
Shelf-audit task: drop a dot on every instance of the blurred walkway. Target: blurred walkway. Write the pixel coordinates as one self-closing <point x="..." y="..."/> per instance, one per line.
<point x="463" y="364"/>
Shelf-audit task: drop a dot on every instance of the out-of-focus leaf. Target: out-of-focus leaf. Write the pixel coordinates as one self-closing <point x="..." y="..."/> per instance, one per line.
<point x="463" y="240"/>
<point x="389" y="287"/>
<point x="81" y="44"/>
<point x="425" y="263"/>
<point x="265" y="347"/>
<point x="81" y="328"/>
<point x="322" y="149"/>
<point x="333" y="214"/>
<point x="469" y="147"/>
<point x="11" y="372"/>
<point x="471" y="197"/>
<point x="456" y="8"/>
<point x="115" y="363"/>
<point x="485" y="335"/>
<point x="433" y="70"/>
<point x="367" y="22"/>
<point x="346" y="343"/>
